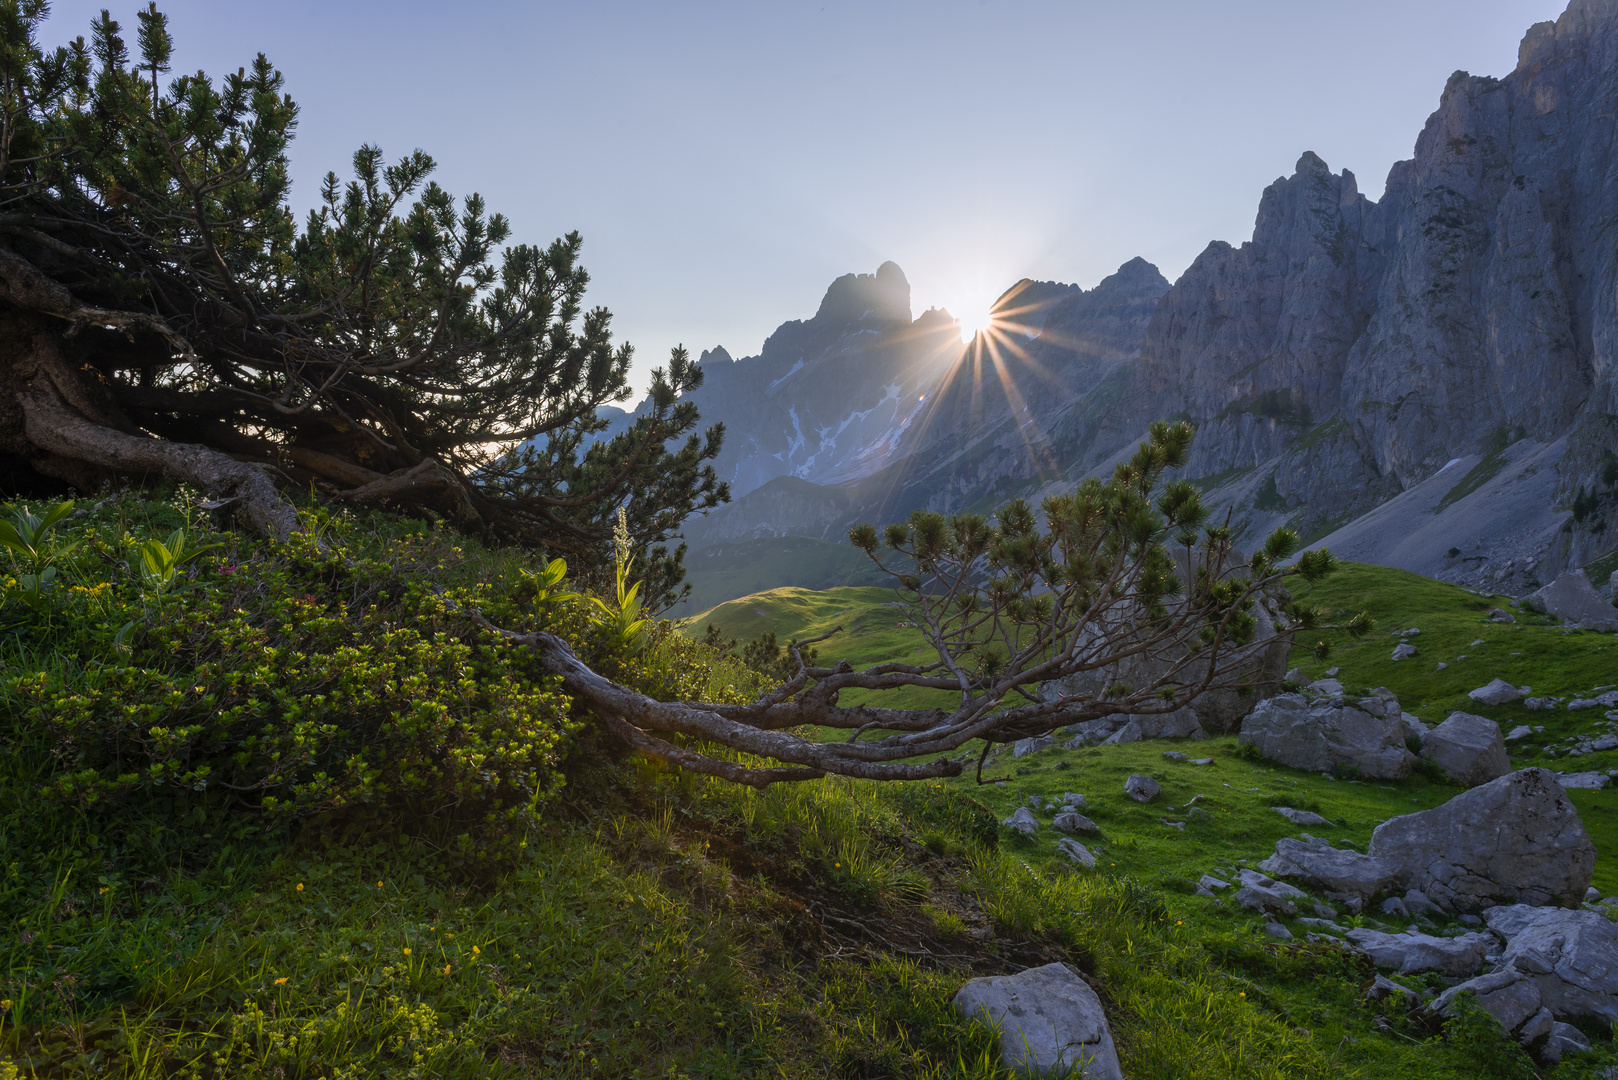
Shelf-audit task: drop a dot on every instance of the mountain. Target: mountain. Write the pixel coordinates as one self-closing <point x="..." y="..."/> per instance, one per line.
<point x="1428" y="380"/>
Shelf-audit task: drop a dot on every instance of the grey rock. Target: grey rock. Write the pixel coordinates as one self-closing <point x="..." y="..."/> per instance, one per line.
<point x="1024" y="747"/>
<point x="1180" y="825"/>
<point x="1403" y="651"/>
<point x="1570" y="956"/>
<point x="1409" y="633"/>
<point x="1396" y="907"/>
<point x="1416" y="903"/>
<point x="1276" y="930"/>
<point x="1468" y="748"/>
<point x="1141" y="788"/>
<point x="1320" y="737"/>
<point x="1293" y="675"/>
<point x="1411" y="953"/>
<point x="1413" y="727"/>
<point x="1539" y="704"/>
<point x="1077" y="852"/>
<point x="1585" y="781"/>
<point x="1202" y="761"/>
<point x="1049" y="1019"/>
<point x="1070" y="821"/>
<point x="1592" y="895"/>
<point x="1090" y="732"/>
<point x="1266" y="895"/>
<point x="1384" y="987"/>
<point x="1442" y="666"/>
<point x="1129" y="733"/>
<point x="1328" y="686"/>
<point x="1536" y="1027"/>
<point x="1175" y="755"/>
<point x="1302" y="817"/>
<point x="1325" y="925"/>
<point x="1575" y="601"/>
<point x="1517" y="839"/>
<point x="1564" y="1039"/>
<point x="1498" y="692"/>
<point x="1344" y="873"/>
<point x="1501" y="615"/>
<point x="1071" y="798"/>
<point x="1606" y="742"/>
<point x="1023" y="821"/>
<point x="1210" y="882"/>
<point x="1504" y="994"/>
<point x="1521" y="731"/>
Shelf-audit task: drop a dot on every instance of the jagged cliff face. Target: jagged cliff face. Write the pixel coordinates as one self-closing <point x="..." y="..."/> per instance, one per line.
<point x="1352" y="349"/>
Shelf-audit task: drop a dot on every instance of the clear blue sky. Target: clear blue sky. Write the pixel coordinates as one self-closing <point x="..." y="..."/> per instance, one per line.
<point x="725" y="161"/>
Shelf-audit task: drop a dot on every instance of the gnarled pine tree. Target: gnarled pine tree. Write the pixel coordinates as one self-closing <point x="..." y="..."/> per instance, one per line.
<point x="161" y="313"/>
<point x="1122" y="579"/>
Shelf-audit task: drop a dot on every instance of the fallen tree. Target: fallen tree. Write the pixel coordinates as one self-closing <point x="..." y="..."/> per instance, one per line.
<point x="1122" y="575"/>
<point x="162" y="314"/>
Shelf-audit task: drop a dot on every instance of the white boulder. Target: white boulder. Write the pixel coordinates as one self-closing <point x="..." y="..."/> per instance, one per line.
<point x="1412" y="953"/>
<point x="1322" y="737"/>
<point x="1050" y="1022"/>
<point x="1498" y="692"/>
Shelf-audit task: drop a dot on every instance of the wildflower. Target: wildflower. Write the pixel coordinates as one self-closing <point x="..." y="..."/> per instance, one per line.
<point x="379" y="884"/>
<point x="300" y="886"/>
<point x="1244" y="993"/>
<point x="476" y="951"/>
<point x="407" y="952"/>
<point x="281" y="981"/>
<point x="446" y="969"/>
<point x="105" y="889"/>
<point x="5" y="1006"/>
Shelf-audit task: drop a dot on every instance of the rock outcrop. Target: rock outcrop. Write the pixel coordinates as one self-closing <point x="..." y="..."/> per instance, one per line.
<point x="1575" y="601"/>
<point x="1324" y="734"/>
<point x="1517" y="839"/>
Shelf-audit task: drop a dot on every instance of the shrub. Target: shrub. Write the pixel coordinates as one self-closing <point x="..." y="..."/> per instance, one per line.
<point x="339" y="668"/>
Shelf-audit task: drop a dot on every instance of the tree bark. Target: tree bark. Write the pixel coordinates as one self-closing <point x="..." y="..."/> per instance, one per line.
<point x="61" y="419"/>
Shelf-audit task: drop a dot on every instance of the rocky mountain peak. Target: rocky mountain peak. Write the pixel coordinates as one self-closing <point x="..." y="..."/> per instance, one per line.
<point x="715" y="355"/>
<point x="883" y="296"/>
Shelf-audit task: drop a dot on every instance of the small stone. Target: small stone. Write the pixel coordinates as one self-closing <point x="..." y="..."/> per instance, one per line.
<point x="1210" y="882"/>
<point x="1294" y="675"/>
<point x="1395" y="906"/>
<point x="1077" y="852"/>
<point x="1404" y="652"/>
<point x="1301" y="817"/>
<point x="1276" y="930"/>
<point x="1521" y="731"/>
<point x="1202" y="761"/>
<point x="1331" y="673"/>
<point x="1072" y="799"/>
<point x="1024" y="747"/>
<point x="1471" y="920"/>
<point x="1175" y="755"/>
<point x="1442" y="666"/>
<point x="1174" y="824"/>
<point x="1479" y="641"/>
<point x="1325" y="911"/>
<point x="1385" y="987"/>
<point x="1069" y="821"/>
<point x="1606" y="742"/>
<point x="1022" y="821"/>
<point x="1592" y="895"/>
<point x="1588" y="781"/>
<point x="1501" y="615"/>
<point x="1141" y="788"/>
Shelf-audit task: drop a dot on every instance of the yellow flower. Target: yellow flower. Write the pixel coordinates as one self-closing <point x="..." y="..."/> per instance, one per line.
<point x="1244" y="993"/>
<point x="446" y="969"/>
<point x="300" y="886"/>
<point x="407" y="952"/>
<point x="5" y="1006"/>
<point x="105" y="889"/>
<point x="281" y="981"/>
<point x="476" y="951"/>
<point x="379" y="884"/>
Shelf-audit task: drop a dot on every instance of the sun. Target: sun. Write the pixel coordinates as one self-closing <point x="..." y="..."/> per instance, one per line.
<point x="973" y="320"/>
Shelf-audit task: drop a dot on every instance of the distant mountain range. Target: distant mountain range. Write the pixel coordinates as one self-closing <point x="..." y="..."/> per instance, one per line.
<point x="1444" y="359"/>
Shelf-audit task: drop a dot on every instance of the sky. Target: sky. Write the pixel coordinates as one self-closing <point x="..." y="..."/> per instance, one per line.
<point x="724" y="162"/>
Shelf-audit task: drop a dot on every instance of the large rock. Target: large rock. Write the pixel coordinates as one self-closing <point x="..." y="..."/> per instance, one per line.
<point x="1575" y="601"/>
<point x="1516" y="839"/>
<point x="1325" y="737"/>
<point x="1470" y="749"/>
<point x="1024" y="747"/>
<point x="1504" y="994"/>
<point x="1049" y="1019"/>
<point x="1413" y="953"/>
<point x="1179" y="723"/>
<point x="1570" y="956"/>
<point x="1264" y="894"/>
<point x="1316" y="863"/>
<point x="1497" y="692"/>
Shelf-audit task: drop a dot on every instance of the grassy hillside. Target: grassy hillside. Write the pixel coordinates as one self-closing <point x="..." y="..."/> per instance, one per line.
<point x="631" y="921"/>
<point x="725" y="571"/>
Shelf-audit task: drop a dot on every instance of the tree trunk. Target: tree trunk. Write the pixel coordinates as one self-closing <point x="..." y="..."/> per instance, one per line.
<point x="67" y="434"/>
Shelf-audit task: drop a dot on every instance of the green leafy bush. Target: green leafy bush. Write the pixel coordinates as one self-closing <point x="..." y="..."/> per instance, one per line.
<point x="339" y="668"/>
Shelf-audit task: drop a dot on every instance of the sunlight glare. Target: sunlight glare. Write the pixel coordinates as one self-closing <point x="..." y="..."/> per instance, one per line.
<point x="973" y="321"/>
